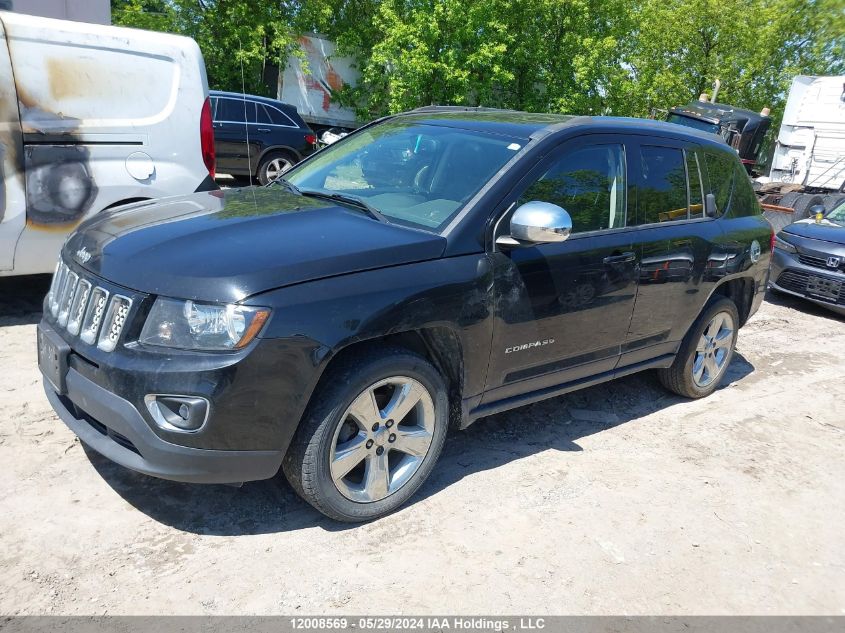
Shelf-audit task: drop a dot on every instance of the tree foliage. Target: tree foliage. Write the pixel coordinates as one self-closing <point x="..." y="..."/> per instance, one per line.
<point x="621" y="57"/>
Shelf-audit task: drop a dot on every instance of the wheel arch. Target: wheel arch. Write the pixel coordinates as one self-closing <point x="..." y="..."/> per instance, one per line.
<point x="277" y="148"/>
<point x="740" y="290"/>
<point x="440" y="345"/>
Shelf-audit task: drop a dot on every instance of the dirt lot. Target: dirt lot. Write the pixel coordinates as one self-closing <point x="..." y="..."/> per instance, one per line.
<point x="619" y="499"/>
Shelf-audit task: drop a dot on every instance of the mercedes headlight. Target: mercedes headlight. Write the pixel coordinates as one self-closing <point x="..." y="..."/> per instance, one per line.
<point x="783" y="245"/>
<point x="202" y="326"/>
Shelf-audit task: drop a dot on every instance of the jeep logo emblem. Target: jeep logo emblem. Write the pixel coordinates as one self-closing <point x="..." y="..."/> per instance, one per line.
<point x="82" y="255"/>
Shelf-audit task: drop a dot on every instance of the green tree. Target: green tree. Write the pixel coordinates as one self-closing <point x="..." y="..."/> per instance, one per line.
<point x="621" y="57"/>
<point x="239" y="39"/>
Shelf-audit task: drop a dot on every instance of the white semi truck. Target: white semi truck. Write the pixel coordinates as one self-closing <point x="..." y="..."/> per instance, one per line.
<point x="808" y="165"/>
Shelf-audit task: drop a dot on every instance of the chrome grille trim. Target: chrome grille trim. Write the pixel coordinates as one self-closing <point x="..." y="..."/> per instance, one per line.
<point x="77" y="310"/>
<point x="66" y="299"/>
<point x="55" y="294"/>
<point x="94" y="315"/>
<point x="53" y="283"/>
<point x="113" y="323"/>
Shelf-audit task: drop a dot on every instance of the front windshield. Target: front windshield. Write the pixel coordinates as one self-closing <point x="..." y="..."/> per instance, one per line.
<point x="415" y="174"/>
<point x="837" y="216"/>
<point x="698" y="124"/>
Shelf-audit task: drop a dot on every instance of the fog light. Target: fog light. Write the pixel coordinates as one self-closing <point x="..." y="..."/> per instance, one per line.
<point x="178" y="413"/>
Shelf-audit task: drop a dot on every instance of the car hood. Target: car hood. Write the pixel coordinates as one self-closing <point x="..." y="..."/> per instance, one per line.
<point x="227" y="245"/>
<point x="824" y="230"/>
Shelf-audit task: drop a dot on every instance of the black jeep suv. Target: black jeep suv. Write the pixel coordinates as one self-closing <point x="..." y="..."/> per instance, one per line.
<point x="430" y="269"/>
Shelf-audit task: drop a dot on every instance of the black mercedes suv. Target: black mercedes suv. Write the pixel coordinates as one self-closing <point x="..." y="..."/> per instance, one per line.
<point x="256" y="137"/>
<point x="428" y="270"/>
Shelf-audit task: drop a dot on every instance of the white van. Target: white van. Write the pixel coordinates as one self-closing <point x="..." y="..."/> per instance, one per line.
<point x="92" y="117"/>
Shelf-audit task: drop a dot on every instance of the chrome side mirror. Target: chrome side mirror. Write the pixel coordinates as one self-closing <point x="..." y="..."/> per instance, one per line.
<point x="540" y="222"/>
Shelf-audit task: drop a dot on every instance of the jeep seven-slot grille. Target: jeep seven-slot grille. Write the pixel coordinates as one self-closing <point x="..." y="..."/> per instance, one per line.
<point x="87" y="310"/>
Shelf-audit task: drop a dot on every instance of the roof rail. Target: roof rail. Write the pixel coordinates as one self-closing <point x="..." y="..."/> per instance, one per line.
<point x="454" y="108"/>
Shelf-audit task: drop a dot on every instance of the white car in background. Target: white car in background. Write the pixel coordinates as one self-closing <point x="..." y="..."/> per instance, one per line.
<point x="92" y="117"/>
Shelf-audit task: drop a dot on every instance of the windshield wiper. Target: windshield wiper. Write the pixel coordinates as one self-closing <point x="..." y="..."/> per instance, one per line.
<point x="355" y="201"/>
<point x="287" y="184"/>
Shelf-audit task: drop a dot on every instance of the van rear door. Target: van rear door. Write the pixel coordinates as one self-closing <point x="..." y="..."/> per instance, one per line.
<point x="12" y="207"/>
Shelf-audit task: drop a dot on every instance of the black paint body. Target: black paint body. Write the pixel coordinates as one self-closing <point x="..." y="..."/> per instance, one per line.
<point x="337" y="279"/>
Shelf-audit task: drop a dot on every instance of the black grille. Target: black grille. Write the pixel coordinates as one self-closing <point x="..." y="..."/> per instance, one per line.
<point x="819" y="262"/>
<point x="801" y="282"/>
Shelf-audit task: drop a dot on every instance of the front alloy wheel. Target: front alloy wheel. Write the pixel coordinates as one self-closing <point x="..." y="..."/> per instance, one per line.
<point x="370" y="436"/>
<point x="383" y="438"/>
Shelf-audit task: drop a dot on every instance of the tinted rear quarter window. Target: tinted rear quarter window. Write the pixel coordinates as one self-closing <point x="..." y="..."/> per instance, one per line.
<point x="721" y="171"/>
<point x="745" y="201"/>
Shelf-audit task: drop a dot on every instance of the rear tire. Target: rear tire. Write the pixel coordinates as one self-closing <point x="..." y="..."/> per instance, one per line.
<point x="804" y="204"/>
<point x="705" y="353"/>
<point x="833" y="200"/>
<point x="370" y="436"/>
<point x="274" y="165"/>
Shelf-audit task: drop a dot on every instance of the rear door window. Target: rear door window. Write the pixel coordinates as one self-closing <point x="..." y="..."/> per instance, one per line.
<point x="261" y="115"/>
<point x="249" y="110"/>
<point x="662" y="192"/>
<point x="277" y="117"/>
<point x="696" y="190"/>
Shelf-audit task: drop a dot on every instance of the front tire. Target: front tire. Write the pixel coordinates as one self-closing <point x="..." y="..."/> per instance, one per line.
<point x="370" y="436"/>
<point x="705" y="353"/>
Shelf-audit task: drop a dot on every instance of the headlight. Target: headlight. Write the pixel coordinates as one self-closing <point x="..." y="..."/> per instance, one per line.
<point x="783" y="245"/>
<point x="201" y="326"/>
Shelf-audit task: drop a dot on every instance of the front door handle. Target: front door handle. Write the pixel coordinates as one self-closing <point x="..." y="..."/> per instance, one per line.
<point x="622" y="258"/>
<point x="264" y="129"/>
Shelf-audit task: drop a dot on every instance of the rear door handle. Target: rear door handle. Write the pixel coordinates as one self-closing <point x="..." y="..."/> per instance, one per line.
<point x="622" y="258"/>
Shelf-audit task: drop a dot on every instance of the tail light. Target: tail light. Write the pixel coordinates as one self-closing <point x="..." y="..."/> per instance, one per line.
<point x="207" y="137"/>
<point x="772" y="242"/>
<point x="311" y="139"/>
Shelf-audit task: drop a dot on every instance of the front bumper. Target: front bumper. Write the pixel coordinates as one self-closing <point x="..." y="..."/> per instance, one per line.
<point x="120" y="428"/>
<point x="114" y="428"/>
<point x="790" y="276"/>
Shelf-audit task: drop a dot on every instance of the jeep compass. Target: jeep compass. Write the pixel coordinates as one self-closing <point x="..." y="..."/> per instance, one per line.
<point x="430" y="269"/>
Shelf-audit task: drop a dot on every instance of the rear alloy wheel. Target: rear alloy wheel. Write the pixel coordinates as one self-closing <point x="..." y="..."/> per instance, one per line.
<point x="705" y="352"/>
<point x="371" y="435"/>
<point x="713" y="350"/>
<point x="273" y="166"/>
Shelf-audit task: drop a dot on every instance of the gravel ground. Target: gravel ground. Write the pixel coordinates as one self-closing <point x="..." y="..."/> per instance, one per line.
<point x="620" y="499"/>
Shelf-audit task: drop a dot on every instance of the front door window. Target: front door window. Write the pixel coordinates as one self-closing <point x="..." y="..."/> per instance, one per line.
<point x="590" y="184"/>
